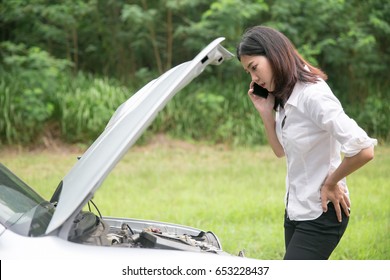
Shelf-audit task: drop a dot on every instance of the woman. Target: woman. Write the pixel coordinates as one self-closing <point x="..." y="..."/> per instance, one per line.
<point x="305" y="122"/>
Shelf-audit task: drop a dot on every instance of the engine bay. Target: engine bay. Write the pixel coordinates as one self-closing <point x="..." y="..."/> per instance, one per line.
<point x="101" y="231"/>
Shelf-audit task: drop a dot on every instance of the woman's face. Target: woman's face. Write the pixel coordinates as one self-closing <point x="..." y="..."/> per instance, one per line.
<point x="259" y="68"/>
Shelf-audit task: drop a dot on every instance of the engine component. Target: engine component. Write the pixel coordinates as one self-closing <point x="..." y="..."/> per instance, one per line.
<point x="90" y="229"/>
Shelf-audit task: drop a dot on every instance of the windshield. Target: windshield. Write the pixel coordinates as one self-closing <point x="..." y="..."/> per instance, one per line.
<point x="21" y="209"/>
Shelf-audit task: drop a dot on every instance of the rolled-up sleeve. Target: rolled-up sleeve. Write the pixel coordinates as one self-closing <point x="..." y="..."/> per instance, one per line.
<point x="327" y="112"/>
<point x="356" y="144"/>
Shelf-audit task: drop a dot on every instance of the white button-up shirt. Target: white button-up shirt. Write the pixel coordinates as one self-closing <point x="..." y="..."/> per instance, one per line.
<point x="314" y="130"/>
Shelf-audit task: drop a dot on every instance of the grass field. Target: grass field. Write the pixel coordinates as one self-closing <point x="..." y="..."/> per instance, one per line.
<point x="236" y="193"/>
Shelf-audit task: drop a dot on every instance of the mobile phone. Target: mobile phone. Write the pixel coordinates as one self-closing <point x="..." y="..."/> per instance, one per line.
<point x="260" y="91"/>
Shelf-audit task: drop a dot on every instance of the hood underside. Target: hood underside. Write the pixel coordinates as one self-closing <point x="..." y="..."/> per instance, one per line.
<point x="126" y="125"/>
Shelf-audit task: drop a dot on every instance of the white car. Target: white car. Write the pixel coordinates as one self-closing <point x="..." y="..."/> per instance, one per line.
<point x="31" y="227"/>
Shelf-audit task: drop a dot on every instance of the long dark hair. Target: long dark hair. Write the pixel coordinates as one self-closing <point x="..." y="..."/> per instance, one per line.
<point x="286" y="63"/>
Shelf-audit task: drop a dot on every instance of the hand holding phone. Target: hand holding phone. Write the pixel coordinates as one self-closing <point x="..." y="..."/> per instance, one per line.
<point x="260" y="91"/>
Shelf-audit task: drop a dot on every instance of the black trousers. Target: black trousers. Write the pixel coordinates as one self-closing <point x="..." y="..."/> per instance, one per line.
<point x="315" y="239"/>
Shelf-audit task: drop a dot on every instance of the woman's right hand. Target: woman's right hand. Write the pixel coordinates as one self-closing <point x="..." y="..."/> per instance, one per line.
<point x="262" y="105"/>
<point x="265" y="108"/>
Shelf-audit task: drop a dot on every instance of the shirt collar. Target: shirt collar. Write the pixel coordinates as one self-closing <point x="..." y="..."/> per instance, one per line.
<point x="299" y="87"/>
<point x="293" y="99"/>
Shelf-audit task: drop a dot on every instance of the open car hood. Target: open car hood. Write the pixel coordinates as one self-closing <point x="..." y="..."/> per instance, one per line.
<point x="126" y="125"/>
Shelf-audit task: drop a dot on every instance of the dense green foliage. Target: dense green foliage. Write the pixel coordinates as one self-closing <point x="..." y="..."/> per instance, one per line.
<point x="66" y="65"/>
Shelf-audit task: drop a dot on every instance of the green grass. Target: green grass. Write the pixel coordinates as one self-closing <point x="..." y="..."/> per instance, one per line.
<point x="236" y="193"/>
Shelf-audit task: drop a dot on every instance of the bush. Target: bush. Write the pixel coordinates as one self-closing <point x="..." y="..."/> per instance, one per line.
<point x="29" y="77"/>
<point x="85" y="104"/>
<point x="374" y="116"/>
<point x="37" y="89"/>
